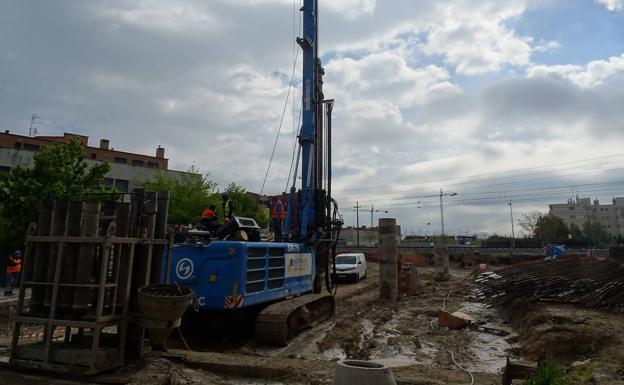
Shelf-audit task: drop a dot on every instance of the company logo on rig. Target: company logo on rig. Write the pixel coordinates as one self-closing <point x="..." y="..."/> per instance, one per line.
<point x="307" y="91"/>
<point x="184" y="268"/>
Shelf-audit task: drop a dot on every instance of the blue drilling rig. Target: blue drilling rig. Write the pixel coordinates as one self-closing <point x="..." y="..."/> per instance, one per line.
<point x="282" y="281"/>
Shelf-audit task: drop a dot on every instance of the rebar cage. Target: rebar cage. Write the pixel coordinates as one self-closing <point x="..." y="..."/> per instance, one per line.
<point x="83" y="264"/>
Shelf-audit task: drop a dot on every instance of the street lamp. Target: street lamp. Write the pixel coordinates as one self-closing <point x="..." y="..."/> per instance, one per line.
<point x="357" y="222"/>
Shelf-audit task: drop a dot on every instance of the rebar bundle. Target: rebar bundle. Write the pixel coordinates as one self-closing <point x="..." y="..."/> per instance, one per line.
<point x="585" y="281"/>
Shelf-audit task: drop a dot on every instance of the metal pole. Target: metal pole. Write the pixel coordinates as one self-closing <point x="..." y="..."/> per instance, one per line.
<point x="357" y="222"/>
<point x="372" y="209"/>
<point x="330" y="107"/>
<point x="513" y="235"/>
<point x="441" y="214"/>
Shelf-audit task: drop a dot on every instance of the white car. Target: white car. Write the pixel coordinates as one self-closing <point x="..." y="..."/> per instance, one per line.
<point x="351" y="266"/>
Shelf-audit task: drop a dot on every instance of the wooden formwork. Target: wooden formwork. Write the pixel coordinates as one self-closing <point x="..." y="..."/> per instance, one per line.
<point x="83" y="264"/>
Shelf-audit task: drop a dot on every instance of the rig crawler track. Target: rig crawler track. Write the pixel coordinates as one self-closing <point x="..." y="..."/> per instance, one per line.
<point x="281" y="321"/>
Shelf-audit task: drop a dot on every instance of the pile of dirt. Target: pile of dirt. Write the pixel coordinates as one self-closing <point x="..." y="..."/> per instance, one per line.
<point x="568" y="333"/>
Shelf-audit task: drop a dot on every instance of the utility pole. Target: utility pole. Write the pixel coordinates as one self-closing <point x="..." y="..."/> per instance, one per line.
<point x="442" y="215"/>
<point x="513" y="235"/>
<point x="372" y="210"/>
<point x="357" y="222"/>
<point x="32" y="123"/>
<point x="442" y="194"/>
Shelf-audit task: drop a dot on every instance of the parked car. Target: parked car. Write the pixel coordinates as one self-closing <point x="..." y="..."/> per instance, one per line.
<point x="351" y="266"/>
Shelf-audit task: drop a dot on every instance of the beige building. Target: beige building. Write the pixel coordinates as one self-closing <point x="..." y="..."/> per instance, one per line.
<point x="128" y="170"/>
<point x="578" y="211"/>
<point x="369" y="236"/>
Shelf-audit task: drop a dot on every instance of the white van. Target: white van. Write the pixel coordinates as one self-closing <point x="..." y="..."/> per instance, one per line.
<point x="350" y="266"/>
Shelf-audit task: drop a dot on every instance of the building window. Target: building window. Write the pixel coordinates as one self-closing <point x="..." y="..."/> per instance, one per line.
<point x="138" y="163"/>
<point x="31" y="147"/>
<point x="108" y="182"/>
<point x="121" y="185"/>
<point x="5" y="169"/>
<point x="607" y="218"/>
<point x="571" y="207"/>
<point x="152" y="164"/>
<point x="608" y="226"/>
<point x="18" y="145"/>
<point x="572" y="216"/>
<point x="121" y="160"/>
<point x="93" y="156"/>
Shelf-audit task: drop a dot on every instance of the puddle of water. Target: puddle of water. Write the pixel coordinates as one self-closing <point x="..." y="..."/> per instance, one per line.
<point x="490" y="350"/>
<point x="335" y="353"/>
<point x="394" y="352"/>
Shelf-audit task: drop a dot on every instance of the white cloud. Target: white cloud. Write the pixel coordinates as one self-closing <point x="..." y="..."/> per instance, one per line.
<point x="546" y="46"/>
<point x="592" y="75"/>
<point x="475" y="39"/>
<point x="386" y="75"/>
<point x="349" y="9"/>
<point x="472" y="37"/>
<point x="612" y="5"/>
<point x="178" y="16"/>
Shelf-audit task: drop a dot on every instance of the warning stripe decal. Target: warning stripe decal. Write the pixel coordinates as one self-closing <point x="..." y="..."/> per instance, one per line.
<point x="230" y="303"/>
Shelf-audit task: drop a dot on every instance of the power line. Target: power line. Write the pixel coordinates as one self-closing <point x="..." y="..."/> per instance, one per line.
<point x="279" y="129"/>
<point x="374" y="197"/>
<point x="485" y="174"/>
<point x="504" y="196"/>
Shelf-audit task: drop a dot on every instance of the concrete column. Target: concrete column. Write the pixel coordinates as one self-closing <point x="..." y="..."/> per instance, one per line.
<point x="415" y="284"/>
<point x="441" y="262"/>
<point x="388" y="259"/>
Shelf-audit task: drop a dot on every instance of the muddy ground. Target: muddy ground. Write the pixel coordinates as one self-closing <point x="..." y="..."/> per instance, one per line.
<point x="403" y="335"/>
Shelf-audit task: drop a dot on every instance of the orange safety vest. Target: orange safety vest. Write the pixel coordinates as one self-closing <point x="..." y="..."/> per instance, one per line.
<point x="279" y="211"/>
<point x="14" y="265"/>
<point x="208" y="213"/>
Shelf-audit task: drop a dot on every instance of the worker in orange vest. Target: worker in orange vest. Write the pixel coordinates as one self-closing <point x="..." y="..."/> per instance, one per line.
<point x="278" y="214"/>
<point x="209" y="218"/>
<point x="14" y="266"/>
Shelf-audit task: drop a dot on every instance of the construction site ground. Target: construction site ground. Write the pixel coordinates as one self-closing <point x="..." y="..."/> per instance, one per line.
<point x="403" y="335"/>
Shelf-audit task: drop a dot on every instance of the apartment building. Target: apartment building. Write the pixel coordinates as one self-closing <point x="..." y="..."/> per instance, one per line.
<point x="128" y="170"/>
<point x="578" y="211"/>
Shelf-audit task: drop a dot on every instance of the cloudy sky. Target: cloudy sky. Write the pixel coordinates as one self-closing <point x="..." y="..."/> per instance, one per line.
<point x="494" y="100"/>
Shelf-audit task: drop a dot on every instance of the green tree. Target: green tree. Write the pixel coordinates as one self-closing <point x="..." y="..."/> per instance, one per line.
<point x="551" y="229"/>
<point x="577" y="233"/>
<point x="246" y="205"/>
<point x="190" y="195"/>
<point x="59" y="171"/>
<point x="595" y="232"/>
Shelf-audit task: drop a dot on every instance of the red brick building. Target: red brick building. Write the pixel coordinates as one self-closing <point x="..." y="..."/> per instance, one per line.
<point x="128" y="170"/>
<point x="101" y="153"/>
